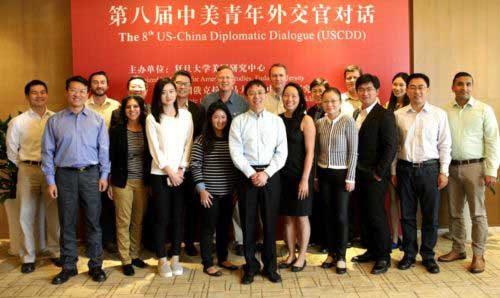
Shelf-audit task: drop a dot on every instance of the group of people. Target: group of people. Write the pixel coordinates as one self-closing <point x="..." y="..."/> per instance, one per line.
<point x="331" y="163"/>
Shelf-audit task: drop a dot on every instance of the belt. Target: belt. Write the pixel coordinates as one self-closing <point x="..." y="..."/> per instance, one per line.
<point x="79" y="169"/>
<point x="466" y="162"/>
<point x="260" y="168"/>
<point x="32" y="162"/>
<point x="419" y="164"/>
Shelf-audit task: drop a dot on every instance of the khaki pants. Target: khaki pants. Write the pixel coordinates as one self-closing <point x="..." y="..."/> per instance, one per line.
<point x="466" y="182"/>
<point x="34" y="199"/>
<point x="130" y="203"/>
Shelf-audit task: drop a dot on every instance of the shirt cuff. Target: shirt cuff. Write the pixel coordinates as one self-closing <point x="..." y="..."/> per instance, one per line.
<point x="50" y="180"/>
<point x="200" y="186"/>
<point x="104" y="175"/>
<point x="490" y="172"/>
<point x="350" y="181"/>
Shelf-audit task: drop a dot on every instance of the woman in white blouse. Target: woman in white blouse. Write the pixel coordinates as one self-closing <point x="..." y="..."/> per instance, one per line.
<point x="169" y="131"/>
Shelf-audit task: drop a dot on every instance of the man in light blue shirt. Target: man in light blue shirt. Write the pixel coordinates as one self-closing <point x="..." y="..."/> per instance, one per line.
<point x="75" y="162"/>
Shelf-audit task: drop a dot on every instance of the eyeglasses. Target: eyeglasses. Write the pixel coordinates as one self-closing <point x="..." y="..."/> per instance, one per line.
<point x="415" y="88"/>
<point x="251" y="93"/>
<point x="366" y="90"/>
<point x="325" y="102"/>
<point x="182" y="84"/>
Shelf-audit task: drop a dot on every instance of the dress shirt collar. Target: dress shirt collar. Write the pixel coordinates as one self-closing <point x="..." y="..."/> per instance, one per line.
<point x="471" y="102"/>
<point x="230" y="98"/>
<point x="91" y="101"/>
<point x="186" y="106"/>
<point x="255" y="115"/>
<point x="426" y="108"/>
<point x="368" y="109"/>
<point x="85" y="111"/>
<point x="274" y="94"/>
<point x="33" y="113"/>
<point x="333" y="121"/>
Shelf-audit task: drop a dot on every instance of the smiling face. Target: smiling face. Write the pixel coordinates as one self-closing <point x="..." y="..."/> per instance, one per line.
<point x="168" y="95"/>
<point x="316" y="93"/>
<point x="255" y="98"/>
<point x="98" y="85"/>
<point x="137" y="87"/>
<point x="219" y="121"/>
<point x="37" y="96"/>
<point x="417" y="91"/>
<point x="398" y="87"/>
<point x="225" y="80"/>
<point x="132" y="110"/>
<point x="331" y="103"/>
<point x="367" y="93"/>
<point x="183" y="85"/>
<point x="76" y="95"/>
<point x="291" y="99"/>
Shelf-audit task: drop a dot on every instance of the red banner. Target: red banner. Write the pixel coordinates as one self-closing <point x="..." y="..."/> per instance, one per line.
<point x="312" y="38"/>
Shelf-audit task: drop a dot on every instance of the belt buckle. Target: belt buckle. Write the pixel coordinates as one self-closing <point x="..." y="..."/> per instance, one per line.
<point x="81" y="169"/>
<point x="417" y="165"/>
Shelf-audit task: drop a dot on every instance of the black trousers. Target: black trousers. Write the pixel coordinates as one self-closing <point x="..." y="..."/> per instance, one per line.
<point x="336" y="211"/>
<point x="79" y="189"/>
<point x="108" y="223"/>
<point x="168" y="204"/>
<point x="192" y="208"/>
<point x="267" y="199"/>
<point x="418" y="185"/>
<point x="371" y="194"/>
<point x="217" y="218"/>
<point x="317" y="220"/>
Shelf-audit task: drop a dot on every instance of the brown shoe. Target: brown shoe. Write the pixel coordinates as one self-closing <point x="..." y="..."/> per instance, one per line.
<point x="477" y="265"/>
<point x="452" y="256"/>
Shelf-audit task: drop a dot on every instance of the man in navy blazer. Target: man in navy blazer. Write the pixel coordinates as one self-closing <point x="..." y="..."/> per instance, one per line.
<point x="376" y="150"/>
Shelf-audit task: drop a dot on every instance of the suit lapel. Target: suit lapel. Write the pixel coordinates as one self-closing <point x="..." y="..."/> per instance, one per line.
<point x="371" y="117"/>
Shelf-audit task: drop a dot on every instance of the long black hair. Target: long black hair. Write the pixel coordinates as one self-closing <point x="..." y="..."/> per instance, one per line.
<point x="142" y="107"/>
<point x="208" y="136"/>
<point x="301" y="108"/>
<point x="156" y="104"/>
<point x="393" y="100"/>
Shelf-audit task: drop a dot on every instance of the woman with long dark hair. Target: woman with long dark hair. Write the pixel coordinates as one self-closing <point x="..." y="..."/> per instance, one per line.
<point x="296" y="177"/>
<point x="130" y="167"/>
<point x="169" y="130"/>
<point x="214" y="175"/>
<point x="398" y="99"/>
<point x="337" y="139"/>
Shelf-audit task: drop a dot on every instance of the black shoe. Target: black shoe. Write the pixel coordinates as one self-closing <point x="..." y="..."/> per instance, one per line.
<point x="56" y="261"/>
<point x="27" y="267"/>
<point x="273" y="276"/>
<point x="238" y="250"/>
<point x="247" y="278"/>
<point x="191" y="250"/>
<point x="381" y="266"/>
<point x="341" y="270"/>
<point x="326" y="265"/>
<point x="364" y="258"/>
<point x="128" y="270"/>
<point x="110" y="247"/>
<point x="231" y="267"/>
<point x="323" y="250"/>
<point x="431" y="265"/>
<point x="406" y="263"/>
<point x="297" y="268"/>
<point x="285" y="265"/>
<point x="170" y="252"/>
<point x="64" y="276"/>
<point x="97" y="274"/>
<point x="138" y="263"/>
<point x="216" y="273"/>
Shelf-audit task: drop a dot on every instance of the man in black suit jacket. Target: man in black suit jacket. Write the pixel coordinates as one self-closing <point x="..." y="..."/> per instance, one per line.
<point x="376" y="150"/>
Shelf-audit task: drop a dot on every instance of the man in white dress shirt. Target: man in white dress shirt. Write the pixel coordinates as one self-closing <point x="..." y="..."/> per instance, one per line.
<point x="24" y="137"/>
<point x="420" y="170"/>
<point x="278" y="76"/>
<point x="258" y="147"/>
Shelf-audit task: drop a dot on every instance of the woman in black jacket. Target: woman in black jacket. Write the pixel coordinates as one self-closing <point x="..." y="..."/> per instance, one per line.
<point x="130" y="164"/>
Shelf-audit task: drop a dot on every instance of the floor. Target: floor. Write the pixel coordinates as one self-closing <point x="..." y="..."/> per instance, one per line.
<point x="453" y="281"/>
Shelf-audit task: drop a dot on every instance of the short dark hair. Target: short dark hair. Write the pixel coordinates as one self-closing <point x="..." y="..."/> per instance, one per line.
<point x="278" y="65"/>
<point x="255" y="82"/>
<point x="351" y="68"/>
<point x="98" y="73"/>
<point x="318" y="82"/>
<point x="368" y="78"/>
<point x="137" y="78"/>
<point x="334" y="90"/>
<point x="418" y="75"/>
<point x="32" y="83"/>
<point x="78" y="79"/>
<point x="462" y="74"/>
<point x="182" y="72"/>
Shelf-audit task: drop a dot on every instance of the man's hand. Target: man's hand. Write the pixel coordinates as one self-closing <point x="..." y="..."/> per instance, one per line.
<point x="394" y="180"/>
<point x="103" y="185"/>
<point x="442" y="181"/>
<point x="490" y="181"/>
<point x="377" y="177"/>
<point x="110" y="193"/>
<point x="52" y="190"/>
<point x="259" y="179"/>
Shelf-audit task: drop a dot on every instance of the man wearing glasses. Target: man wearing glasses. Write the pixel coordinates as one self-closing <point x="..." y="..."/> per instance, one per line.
<point x="420" y="170"/>
<point x="75" y="162"/>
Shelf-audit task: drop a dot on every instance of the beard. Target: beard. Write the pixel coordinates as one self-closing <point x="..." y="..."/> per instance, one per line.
<point x="99" y="92"/>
